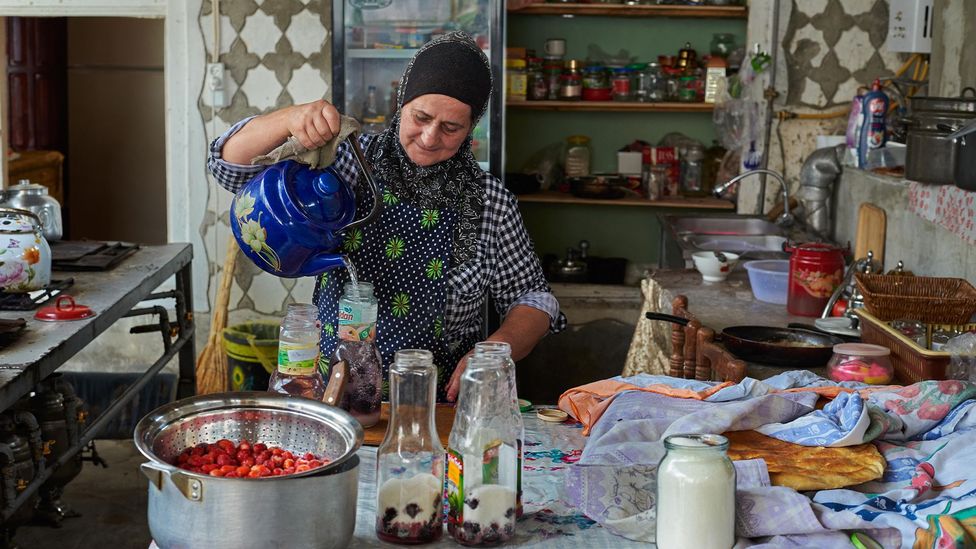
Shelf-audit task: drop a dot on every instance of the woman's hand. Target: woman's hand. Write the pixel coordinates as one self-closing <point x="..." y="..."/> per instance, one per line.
<point x="313" y="124"/>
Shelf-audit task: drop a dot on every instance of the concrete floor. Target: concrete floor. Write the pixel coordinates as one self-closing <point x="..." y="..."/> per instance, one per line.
<point x="112" y="502"/>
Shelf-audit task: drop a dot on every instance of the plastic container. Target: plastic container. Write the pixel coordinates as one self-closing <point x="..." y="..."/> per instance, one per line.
<point x="252" y="354"/>
<point x="769" y="279"/>
<point x="862" y="362"/>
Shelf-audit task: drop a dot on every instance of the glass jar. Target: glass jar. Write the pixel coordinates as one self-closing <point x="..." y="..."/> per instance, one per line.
<point x="621" y="84"/>
<point x="538" y="84"/>
<point x="657" y="181"/>
<point x="516" y="79"/>
<point x="571" y="81"/>
<point x="298" y="371"/>
<point x="410" y="460"/>
<point x="687" y="88"/>
<point x="722" y="44"/>
<point x="862" y="362"/>
<point x="691" y="170"/>
<point x="913" y="330"/>
<point x="941" y="337"/>
<point x="596" y="84"/>
<point x="695" y="493"/>
<point x="357" y="347"/>
<point x="577" y="158"/>
<point x="552" y="67"/>
<point x="653" y="86"/>
<point x="482" y="458"/>
<point x="504" y="351"/>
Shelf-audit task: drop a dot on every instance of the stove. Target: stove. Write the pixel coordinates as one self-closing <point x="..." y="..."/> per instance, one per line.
<point x="29" y="301"/>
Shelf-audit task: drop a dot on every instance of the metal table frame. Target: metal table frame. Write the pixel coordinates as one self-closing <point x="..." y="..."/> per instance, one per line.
<point x="114" y="294"/>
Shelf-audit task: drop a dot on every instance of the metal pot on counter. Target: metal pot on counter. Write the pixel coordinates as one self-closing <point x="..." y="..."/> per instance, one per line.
<point x="932" y="155"/>
<point x="188" y="510"/>
<point x="35" y="199"/>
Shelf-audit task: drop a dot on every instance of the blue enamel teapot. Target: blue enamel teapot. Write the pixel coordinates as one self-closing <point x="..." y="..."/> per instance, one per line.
<point x="290" y="220"/>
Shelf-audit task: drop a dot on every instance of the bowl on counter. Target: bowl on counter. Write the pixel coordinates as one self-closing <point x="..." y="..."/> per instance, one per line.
<point x="712" y="266"/>
<point x="769" y="279"/>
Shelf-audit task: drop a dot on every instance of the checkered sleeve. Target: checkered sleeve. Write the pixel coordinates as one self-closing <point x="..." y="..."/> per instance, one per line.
<point x="518" y="278"/>
<point x="229" y="175"/>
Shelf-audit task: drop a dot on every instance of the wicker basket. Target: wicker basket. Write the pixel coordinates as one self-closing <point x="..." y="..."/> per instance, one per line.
<point x="927" y="299"/>
<point x="911" y="362"/>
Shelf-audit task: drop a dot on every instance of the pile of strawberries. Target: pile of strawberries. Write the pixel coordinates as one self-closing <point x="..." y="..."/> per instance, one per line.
<point x="245" y="460"/>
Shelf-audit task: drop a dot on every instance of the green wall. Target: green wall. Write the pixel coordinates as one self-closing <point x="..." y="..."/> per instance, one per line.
<point x="613" y="231"/>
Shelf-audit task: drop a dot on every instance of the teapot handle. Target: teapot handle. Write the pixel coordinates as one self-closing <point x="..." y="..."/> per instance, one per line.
<point x="18" y="211"/>
<point x="357" y="152"/>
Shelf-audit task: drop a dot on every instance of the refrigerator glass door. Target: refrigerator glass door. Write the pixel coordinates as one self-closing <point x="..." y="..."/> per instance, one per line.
<point x="379" y="38"/>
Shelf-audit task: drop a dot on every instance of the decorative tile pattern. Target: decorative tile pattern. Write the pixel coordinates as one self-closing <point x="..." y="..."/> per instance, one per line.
<point x="817" y="30"/>
<point x="277" y="53"/>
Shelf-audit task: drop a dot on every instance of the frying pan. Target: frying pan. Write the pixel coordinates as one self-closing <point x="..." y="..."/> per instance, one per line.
<point x="790" y="347"/>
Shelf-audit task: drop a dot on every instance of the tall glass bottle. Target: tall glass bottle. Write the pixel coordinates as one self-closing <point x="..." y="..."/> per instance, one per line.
<point x="503" y="350"/>
<point x="482" y="458"/>
<point x="298" y="371"/>
<point x="357" y="347"/>
<point x="410" y="460"/>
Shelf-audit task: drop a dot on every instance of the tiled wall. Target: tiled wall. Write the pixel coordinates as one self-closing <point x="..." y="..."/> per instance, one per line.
<point x="277" y="53"/>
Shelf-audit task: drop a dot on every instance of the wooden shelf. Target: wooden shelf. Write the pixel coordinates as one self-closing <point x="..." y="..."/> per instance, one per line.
<point x="554" y="197"/>
<point x="609" y="106"/>
<point x="621" y="10"/>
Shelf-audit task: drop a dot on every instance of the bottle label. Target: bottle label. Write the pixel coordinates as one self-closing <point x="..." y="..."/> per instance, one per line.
<point x="455" y="489"/>
<point x="297" y="358"/>
<point x="357" y="323"/>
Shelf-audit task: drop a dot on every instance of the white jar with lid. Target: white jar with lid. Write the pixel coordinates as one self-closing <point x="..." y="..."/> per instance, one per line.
<point x="696" y="493"/>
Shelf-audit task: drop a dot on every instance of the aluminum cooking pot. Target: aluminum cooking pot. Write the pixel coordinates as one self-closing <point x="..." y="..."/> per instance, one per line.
<point x="188" y="510"/>
<point x="932" y="156"/>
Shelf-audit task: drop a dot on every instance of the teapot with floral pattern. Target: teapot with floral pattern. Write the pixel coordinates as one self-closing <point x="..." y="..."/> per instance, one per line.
<point x="25" y="257"/>
<point x="290" y="219"/>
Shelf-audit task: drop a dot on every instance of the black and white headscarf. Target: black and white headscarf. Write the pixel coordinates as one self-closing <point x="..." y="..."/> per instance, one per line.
<point x="455" y="66"/>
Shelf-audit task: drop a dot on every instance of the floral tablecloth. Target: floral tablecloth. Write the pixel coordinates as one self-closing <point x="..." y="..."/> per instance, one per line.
<point x="549" y="519"/>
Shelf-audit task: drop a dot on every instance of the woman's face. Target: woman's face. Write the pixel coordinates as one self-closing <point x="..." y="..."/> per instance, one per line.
<point x="433" y="127"/>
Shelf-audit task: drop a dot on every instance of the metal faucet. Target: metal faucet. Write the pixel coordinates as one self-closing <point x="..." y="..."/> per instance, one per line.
<point x="786" y="218"/>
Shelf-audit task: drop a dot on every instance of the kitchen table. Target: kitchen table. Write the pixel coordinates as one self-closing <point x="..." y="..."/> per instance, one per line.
<point x="549" y="519"/>
<point x="113" y="294"/>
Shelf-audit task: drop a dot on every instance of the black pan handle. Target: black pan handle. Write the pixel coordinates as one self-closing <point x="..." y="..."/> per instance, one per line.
<point x="666" y="317"/>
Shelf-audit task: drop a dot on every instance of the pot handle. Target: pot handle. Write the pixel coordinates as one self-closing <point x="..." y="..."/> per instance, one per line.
<point x="357" y="152"/>
<point x="337" y="383"/>
<point x="650" y="315"/>
<point x="191" y="488"/>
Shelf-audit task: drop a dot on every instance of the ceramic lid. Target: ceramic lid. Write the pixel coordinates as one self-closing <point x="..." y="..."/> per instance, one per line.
<point x="64" y="308"/>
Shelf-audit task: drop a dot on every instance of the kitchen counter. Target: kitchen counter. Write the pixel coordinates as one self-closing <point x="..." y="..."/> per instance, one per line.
<point x="723" y="304"/>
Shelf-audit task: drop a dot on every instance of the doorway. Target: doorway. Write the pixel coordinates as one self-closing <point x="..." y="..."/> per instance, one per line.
<point x="112" y="92"/>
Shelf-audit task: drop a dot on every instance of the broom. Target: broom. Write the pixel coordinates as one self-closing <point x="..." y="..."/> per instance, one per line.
<point x="211" y="368"/>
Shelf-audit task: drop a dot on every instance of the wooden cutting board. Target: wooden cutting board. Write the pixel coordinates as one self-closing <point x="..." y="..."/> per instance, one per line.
<point x="443" y="418"/>
<point x="872" y="226"/>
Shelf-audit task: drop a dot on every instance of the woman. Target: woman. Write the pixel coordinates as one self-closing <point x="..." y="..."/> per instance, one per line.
<point x="449" y="234"/>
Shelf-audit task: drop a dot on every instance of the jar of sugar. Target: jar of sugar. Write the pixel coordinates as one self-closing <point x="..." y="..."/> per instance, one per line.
<point x="410" y="460"/>
<point x="696" y="493"/>
<point x="482" y="456"/>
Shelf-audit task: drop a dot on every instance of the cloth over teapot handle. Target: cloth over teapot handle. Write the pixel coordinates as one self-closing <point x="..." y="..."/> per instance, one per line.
<point x="18" y="211"/>
<point x="357" y="152"/>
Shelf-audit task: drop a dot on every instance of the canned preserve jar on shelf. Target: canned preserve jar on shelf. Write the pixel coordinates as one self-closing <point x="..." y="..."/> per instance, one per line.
<point x="621" y="84"/>
<point x="577" y="158"/>
<point x="862" y="362"/>
<point x="571" y="81"/>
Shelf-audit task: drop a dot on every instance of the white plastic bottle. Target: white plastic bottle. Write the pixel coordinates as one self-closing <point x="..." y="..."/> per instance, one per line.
<point x="696" y="494"/>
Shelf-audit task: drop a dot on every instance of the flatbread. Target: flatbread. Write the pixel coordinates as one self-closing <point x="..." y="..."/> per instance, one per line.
<point x="808" y="467"/>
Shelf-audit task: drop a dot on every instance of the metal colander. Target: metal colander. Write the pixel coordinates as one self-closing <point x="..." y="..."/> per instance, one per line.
<point x="296" y="424"/>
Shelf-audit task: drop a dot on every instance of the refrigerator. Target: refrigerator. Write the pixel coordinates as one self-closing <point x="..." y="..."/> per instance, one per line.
<point x="373" y="40"/>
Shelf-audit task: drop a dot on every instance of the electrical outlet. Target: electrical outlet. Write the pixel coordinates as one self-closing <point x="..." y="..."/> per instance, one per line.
<point x="215" y="82"/>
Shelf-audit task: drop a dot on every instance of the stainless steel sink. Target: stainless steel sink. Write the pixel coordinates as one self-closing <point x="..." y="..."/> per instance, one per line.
<point x="725" y="226"/>
<point x="736" y="243"/>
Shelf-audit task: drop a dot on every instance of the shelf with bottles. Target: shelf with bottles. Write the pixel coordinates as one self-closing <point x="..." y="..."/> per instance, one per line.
<point x="610" y="106"/>
<point x="624" y="10"/>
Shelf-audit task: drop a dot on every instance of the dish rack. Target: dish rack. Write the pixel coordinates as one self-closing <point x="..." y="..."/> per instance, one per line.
<point x="923" y="298"/>
<point x="911" y="362"/>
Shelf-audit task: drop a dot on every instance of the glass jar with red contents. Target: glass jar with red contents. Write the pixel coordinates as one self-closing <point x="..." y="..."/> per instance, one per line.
<point x="816" y="270"/>
<point x="861" y="362"/>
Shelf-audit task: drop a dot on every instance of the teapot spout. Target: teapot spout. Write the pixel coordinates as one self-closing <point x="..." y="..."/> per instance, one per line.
<point x="319" y="263"/>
